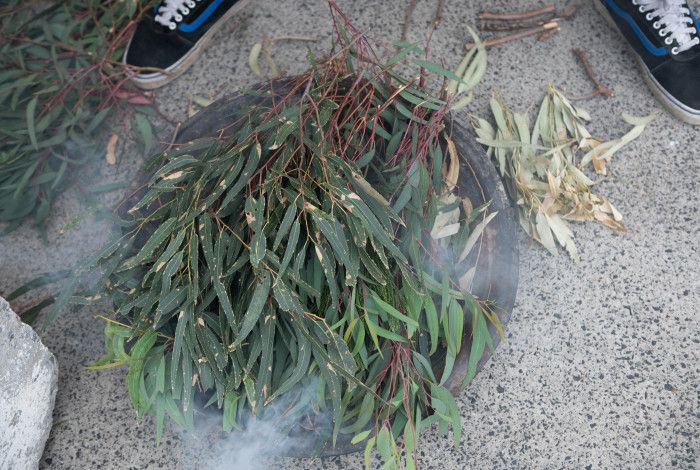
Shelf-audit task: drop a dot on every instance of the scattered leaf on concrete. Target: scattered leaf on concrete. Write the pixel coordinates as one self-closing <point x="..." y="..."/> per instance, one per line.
<point x="111" y="154"/>
<point x="253" y="59"/>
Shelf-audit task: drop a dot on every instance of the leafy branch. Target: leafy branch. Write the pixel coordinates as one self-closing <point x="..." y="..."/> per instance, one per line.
<point x="61" y="80"/>
<point x="307" y="253"/>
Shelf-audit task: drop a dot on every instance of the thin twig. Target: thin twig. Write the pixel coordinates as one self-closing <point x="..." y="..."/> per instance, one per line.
<point x="511" y="25"/>
<point x="543" y="27"/>
<point x="407" y="18"/>
<point x="487" y="15"/>
<point x="558" y="17"/>
<point x="515" y="36"/>
<point x="171" y="144"/>
<point x="293" y="38"/>
<point x="437" y="19"/>
<point x="600" y="89"/>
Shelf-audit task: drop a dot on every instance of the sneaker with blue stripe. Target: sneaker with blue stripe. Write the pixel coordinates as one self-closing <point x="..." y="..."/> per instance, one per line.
<point x="170" y="37"/>
<point x="665" y="36"/>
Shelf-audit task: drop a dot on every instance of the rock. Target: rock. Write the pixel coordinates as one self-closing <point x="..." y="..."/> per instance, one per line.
<point x="28" y="377"/>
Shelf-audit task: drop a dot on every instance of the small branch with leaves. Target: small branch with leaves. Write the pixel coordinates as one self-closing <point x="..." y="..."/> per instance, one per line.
<point x="61" y="86"/>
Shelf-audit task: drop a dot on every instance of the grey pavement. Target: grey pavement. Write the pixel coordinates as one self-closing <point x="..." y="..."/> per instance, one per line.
<point x="601" y="367"/>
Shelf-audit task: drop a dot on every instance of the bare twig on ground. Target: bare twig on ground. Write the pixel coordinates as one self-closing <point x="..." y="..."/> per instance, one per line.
<point x="567" y="14"/>
<point x="277" y="39"/>
<point x="545" y="28"/>
<point x="407" y="18"/>
<point x="510" y="25"/>
<point x="543" y="22"/>
<point x="487" y="15"/>
<point x="600" y="89"/>
<point x="437" y="19"/>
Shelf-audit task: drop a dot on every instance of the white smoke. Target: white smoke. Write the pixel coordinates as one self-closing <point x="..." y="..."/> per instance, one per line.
<point x="261" y="437"/>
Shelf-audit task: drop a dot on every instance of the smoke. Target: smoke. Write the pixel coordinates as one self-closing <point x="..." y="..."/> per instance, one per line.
<point x="249" y="449"/>
<point x="289" y="426"/>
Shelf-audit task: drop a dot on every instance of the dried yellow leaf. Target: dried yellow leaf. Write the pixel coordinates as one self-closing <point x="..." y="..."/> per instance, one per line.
<point x="451" y="174"/>
<point x="111" y="154"/>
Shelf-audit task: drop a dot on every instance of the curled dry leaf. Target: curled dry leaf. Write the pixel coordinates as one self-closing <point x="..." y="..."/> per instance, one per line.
<point x="264" y="47"/>
<point x="601" y="153"/>
<point x="111" y="154"/>
<point x="451" y="173"/>
<point x="467" y="206"/>
<point x="253" y="59"/>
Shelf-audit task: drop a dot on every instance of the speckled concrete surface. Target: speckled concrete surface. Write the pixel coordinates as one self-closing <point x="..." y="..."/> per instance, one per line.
<point x="601" y="368"/>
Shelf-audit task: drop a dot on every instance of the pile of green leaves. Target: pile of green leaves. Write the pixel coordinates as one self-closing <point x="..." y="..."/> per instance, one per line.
<point x="60" y="80"/>
<point x="309" y="254"/>
<point x="544" y="168"/>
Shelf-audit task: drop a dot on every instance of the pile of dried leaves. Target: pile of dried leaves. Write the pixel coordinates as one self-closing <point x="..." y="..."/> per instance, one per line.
<point x="543" y="166"/>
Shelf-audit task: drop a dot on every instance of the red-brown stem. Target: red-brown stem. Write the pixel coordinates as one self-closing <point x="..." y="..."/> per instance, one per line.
<point x="487" y="15"/>
<point x="407" y="18"/>
<point x="600" y="89"/>
<point x="515" y="36"/>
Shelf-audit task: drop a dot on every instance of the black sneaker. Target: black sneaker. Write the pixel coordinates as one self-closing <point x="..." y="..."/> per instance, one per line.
<point x="171" y="36"/>
<point x="665" y="34"/>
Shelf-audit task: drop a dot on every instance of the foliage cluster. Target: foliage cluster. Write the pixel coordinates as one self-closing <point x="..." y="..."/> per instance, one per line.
<point x="61" y="79"/>
<point x="543" y="167"/>
<point x="317" y="250"/>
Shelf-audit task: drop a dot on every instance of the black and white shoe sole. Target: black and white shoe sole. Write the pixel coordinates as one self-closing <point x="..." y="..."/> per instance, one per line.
<point x="151" y="81"/>
<point x="675" y="107"/>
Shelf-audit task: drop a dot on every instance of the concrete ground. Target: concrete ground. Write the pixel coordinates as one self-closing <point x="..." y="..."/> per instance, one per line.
<point x="601" y="367"/>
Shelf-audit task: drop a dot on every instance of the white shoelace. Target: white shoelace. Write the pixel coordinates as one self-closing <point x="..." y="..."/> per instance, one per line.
<point x="170" y="12"/>
<point x="673" y="20"/>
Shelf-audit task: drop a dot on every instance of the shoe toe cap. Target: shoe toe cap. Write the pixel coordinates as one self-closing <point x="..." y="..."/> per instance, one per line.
<point x="153" y="49"/>
<point x="681" y="79"/>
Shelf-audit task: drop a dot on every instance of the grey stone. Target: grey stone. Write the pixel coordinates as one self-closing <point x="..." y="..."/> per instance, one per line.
<point x="28" y="378"/>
